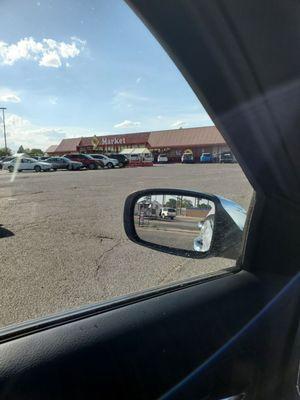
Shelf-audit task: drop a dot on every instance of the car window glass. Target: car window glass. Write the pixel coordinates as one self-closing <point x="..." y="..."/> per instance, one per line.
<point x="87" y="77"/>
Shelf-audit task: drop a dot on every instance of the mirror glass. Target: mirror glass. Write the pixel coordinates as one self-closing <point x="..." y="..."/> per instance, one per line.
<point x="181" y="222"/>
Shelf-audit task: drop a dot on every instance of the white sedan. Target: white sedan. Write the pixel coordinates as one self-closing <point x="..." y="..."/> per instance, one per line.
<point x="107" y="161"/>
<point x="162" y="158"/>
<point x="26" y="164"/>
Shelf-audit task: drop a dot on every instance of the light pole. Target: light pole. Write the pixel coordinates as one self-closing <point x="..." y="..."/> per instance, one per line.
<point x="4" y="129"/>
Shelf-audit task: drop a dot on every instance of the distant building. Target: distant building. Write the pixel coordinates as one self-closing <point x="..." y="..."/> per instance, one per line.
<point x="51" y="149"/>
<point x="173" y="142"/>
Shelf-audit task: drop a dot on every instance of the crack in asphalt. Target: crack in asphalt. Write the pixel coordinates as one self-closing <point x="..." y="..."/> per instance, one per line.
<point x="104" y="254"/>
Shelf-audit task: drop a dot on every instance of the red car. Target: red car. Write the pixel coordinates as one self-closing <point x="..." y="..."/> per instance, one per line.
<point x="87" y="161"/>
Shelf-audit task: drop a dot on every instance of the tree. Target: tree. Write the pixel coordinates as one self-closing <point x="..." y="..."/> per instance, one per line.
<point x="204" y="206"/>
<point x="36" y="152"/>
<point x="4" y="152"/>
<point x="171" y="203"/>
<point x="186" y="203"/>
<point x="21" y="149"/>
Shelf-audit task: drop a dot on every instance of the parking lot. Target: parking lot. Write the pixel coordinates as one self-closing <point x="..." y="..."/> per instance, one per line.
<point x="62" y="243"/>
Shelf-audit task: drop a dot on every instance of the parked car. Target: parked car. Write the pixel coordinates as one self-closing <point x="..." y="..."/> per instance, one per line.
<point x="107" y="162"/>
<point x="206" y="158"/>
<point x="162" y="158"/>
<point x="43" y="158"/>
<point x="216" y="158"/>
<point x="147" y="157"/>
<point x="226" y="157"/>
<point x="87" y="161"/>
<point x="5" y="159"/>
<point x="26" y="164"/>
<point x="134" y="157"/>
<point x="187" y="158"/>
<point x="167" y="212"/>
<point x="123" y="160"/>
<point x="64" y="163"/>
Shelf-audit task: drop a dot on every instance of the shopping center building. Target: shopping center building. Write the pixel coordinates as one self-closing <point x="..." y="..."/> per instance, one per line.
<point x="173" y="142"/>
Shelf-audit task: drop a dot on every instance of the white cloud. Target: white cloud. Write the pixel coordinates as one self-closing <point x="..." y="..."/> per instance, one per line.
<point x="7" y="96"/>
<point x="50" y="59"/>
<point x="138" y="80"/>
<point x="78" y="40"/>
<point x="21" y="131"/>
<point x="48" y="52"/>
<point x="178" y="124"/>
<point x="127" y="124"/>
<point x="15" y="121"/>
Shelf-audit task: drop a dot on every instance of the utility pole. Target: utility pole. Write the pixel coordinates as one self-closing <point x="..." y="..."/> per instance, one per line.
<point x="4" y="128"/>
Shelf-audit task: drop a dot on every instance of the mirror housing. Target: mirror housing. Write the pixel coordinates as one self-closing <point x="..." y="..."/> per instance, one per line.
<point x="228" y="225"/>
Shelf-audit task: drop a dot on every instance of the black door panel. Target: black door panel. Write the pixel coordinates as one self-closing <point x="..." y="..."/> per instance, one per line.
<point x="145" y="348"/>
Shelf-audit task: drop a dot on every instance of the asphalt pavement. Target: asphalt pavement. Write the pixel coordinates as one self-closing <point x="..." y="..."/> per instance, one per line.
<point x="172" y="238"/>
<point x="62" y="243"/>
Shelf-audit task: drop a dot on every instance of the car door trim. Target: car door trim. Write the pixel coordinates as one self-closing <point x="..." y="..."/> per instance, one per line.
<point x="37" y="325"/>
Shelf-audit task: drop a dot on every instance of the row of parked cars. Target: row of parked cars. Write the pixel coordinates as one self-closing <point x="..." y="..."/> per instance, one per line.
<point x="68" y="161"/>
<point x="187" y="158"/>
<point x="225" y="157"/>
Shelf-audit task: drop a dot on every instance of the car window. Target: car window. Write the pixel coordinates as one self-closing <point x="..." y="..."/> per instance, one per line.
<point x="88" y="77"/>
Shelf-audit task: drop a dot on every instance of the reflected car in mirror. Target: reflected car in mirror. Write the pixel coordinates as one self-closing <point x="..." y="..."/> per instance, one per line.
<point x="185" y="223"/>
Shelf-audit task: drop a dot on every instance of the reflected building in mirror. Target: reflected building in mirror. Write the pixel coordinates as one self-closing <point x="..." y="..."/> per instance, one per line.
<point x="174" y="221"/>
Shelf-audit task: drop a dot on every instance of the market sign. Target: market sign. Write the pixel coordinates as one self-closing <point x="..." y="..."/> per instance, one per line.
<point x="114" y="140"/>
<point x="95" y="142"/>
<point x="106" y="141"/>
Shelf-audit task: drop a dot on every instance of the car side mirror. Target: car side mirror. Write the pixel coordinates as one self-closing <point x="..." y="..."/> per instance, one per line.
<point x="185" y="223"/>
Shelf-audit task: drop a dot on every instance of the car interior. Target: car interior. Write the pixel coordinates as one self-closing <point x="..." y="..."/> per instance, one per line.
<point x="231" y="335"/>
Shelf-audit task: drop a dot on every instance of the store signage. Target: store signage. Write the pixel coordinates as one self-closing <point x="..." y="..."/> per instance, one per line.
<point x="95" y="142"/>
<point x="113" y="140"/>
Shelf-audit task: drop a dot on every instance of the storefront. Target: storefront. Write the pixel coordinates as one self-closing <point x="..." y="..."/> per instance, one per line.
<point x="172" y="142"/>
<point x="193" y="140"/>
<point x="113" y="143"/>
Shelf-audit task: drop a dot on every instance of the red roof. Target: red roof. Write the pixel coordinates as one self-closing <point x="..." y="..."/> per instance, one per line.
<point x="51" y="149"/>
<point x="208" y="135"/>
<point x="185" y="137"/>
<point x="68" y="145"/>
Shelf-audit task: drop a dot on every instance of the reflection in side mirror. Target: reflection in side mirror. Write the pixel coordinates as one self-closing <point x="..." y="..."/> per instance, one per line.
<point x="185" y="223"/>
<point x="180" y="222"/>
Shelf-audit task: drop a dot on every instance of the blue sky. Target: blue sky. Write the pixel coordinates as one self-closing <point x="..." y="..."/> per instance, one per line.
<point x="77" y="68"/>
